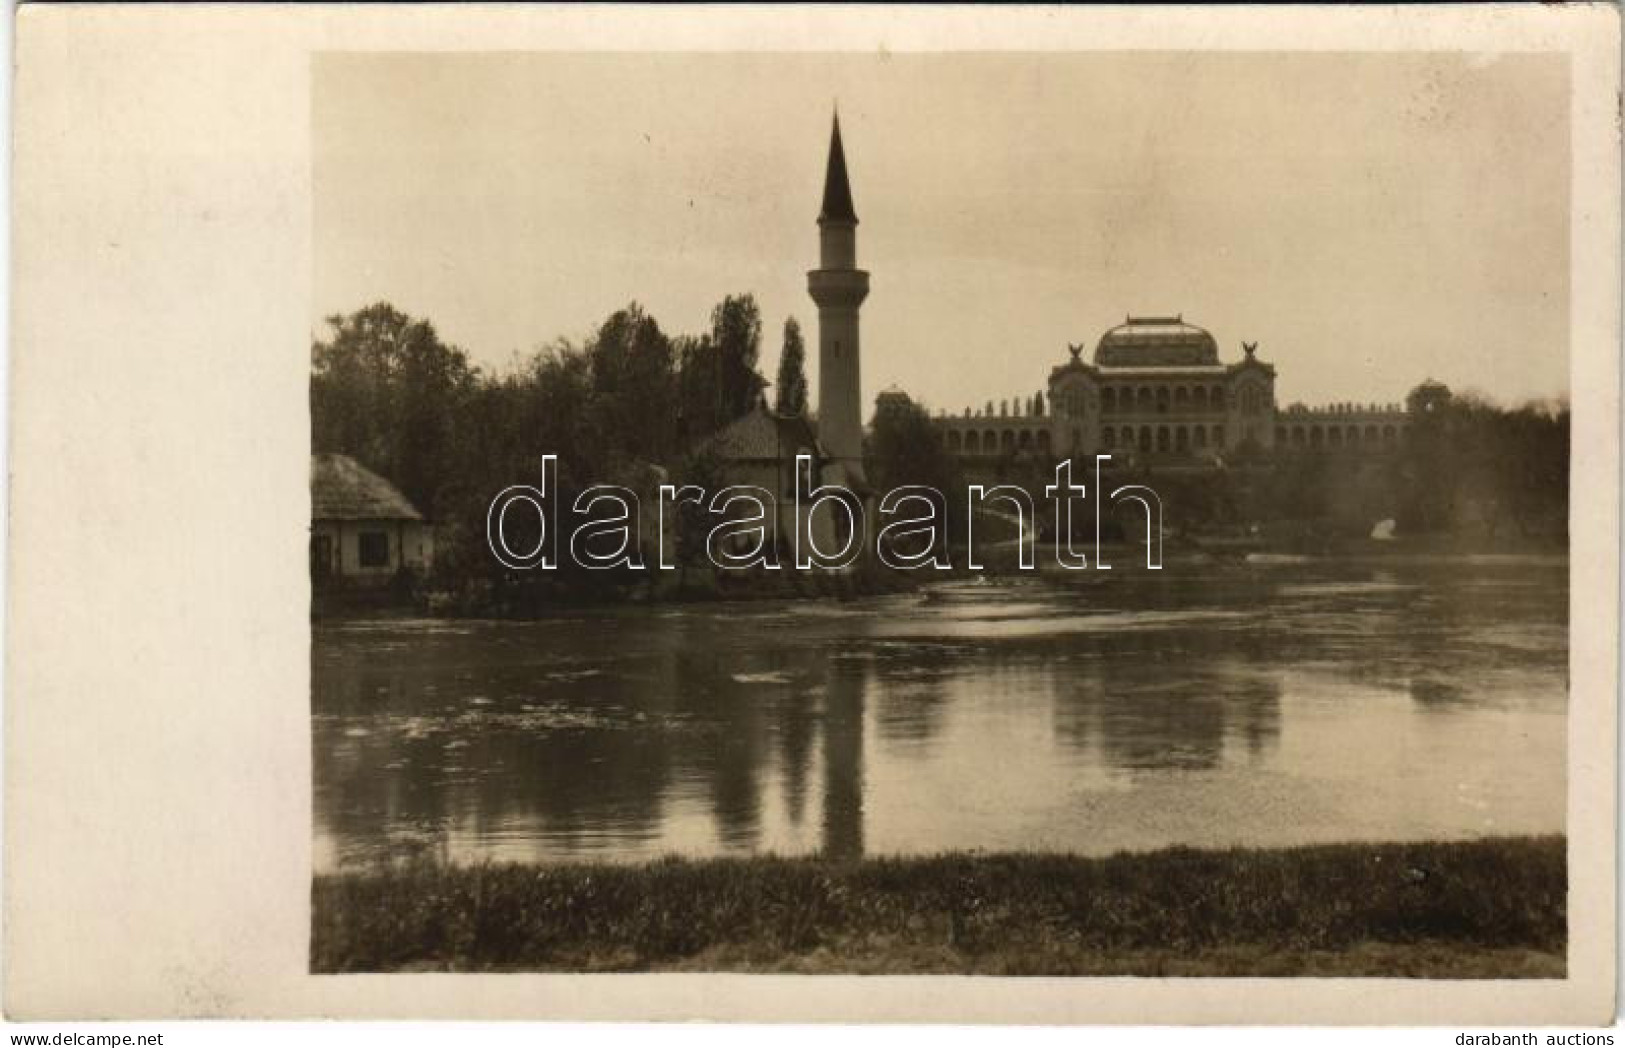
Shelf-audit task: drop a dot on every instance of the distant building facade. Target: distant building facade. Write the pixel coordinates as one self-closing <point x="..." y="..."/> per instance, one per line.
<point x="362" y="529"/>
<point x="1157" y="391"/>
<point x="1154" y="391"/>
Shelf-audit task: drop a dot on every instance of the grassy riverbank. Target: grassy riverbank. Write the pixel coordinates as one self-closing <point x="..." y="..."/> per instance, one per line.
<point x="1487" y="909"/>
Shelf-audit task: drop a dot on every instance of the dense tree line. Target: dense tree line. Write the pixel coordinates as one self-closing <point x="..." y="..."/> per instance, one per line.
<point x="1469" y="468"/>
<point x="1476" y="465"/>
<point x="386" y="390"/>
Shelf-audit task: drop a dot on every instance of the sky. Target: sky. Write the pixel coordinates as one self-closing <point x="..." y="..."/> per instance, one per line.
<point x="1370" y="220"/>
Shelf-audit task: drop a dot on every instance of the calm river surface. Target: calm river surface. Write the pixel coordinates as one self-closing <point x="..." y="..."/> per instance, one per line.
<point x="1130" y="710"/>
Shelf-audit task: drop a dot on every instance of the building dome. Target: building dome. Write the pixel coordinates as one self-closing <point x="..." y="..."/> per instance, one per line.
<point x="1427" y="398"/>
<point x="1156" y="342"/>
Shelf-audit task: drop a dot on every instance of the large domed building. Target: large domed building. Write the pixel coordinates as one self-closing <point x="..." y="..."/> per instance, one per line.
<point x="1156" y="342"/>
<point x="1155" y="389"/>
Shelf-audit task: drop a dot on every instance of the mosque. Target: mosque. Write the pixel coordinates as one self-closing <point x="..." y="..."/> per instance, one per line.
<point x="1154" y="391"/>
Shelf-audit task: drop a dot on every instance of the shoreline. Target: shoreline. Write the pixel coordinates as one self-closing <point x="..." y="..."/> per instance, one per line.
<point x="1492" y="908"/>
<point x="794" y="586"/>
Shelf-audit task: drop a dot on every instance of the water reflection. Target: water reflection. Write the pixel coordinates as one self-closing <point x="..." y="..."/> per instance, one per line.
<point x="1207" y="708"/>
<point x="1143" y="722"/>
<point x="843" y="765"/>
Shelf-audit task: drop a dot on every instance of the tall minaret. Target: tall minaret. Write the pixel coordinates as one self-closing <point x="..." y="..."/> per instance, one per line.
<point x="839" y="288"/>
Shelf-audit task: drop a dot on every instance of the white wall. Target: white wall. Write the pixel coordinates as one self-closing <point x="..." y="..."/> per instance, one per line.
<point x="411" y="543"/>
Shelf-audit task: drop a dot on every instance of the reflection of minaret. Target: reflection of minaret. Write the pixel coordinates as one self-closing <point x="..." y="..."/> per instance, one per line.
<point x="797" y="726"/>
<point x="843" y="766"/>
<point x="736" y="769"/>
<point x="839" y="288"/>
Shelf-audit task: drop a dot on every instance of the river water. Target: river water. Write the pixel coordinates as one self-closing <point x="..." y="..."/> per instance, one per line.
<point x="1200" y="705"/>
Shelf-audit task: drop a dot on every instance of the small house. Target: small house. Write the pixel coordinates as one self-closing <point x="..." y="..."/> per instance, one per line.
<point x="759" y="450"/>
<point x="362" y="529"/>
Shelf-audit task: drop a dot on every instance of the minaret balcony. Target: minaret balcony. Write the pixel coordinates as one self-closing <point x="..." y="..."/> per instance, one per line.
<point x="838" y="287"/>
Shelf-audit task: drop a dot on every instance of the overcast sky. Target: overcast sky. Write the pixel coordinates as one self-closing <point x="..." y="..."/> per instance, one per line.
<point x="1370" y="220"/>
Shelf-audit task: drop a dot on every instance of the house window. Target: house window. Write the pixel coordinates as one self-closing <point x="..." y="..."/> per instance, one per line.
<point x="374" y="549"/>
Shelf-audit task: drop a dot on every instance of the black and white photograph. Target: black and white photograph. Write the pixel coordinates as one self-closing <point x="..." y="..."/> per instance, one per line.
<point x="1049" y="514"/>
<point x="722" y="523"/>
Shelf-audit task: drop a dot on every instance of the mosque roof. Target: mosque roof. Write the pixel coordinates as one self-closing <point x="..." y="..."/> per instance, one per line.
<point x="762" y="436"/>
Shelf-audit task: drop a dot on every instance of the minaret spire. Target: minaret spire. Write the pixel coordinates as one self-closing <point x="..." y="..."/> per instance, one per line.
<point x="837" y="189"/>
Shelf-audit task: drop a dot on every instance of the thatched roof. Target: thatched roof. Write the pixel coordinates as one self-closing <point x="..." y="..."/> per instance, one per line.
<point x="343" y="489"/>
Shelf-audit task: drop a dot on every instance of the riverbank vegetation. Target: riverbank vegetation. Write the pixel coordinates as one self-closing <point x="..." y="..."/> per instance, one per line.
<point x="1484" y="909"/>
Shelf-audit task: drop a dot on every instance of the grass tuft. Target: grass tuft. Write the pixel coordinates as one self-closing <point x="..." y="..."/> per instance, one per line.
<point x="1482" y="909"/>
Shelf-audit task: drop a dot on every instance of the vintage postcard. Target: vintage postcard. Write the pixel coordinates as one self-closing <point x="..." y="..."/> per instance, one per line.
<point x="660" y="513"/>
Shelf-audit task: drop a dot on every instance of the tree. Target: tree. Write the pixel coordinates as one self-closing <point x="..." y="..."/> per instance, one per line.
<point x="790" y="393"/>
<point x="699" y="396"/>
<point x="717" y="379"/>
<point x="905" y="447"/>
<point x="736" y="332"/>
<point x="634" y="386"/>
<point x="386" y="391"/>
